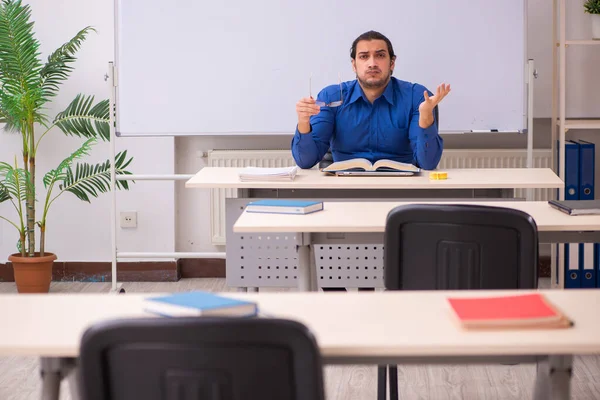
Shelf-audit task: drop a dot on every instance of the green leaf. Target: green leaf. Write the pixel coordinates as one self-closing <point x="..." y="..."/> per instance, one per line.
<point x="15" y="181"/>
<point x="83" y="119"/>
<point x="19" y="64"/>
<point x="90" y="180"/>
<point x="59" y="174"/>
<point x="59" y="64"/>
<point x="4" y="193"/>
<point x="592" y="6"/>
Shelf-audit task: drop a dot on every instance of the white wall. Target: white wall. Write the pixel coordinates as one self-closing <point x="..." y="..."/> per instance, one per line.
<point x="78" y="231"/>
<point x="156" y="201"/>
<point x="583" y="83"/>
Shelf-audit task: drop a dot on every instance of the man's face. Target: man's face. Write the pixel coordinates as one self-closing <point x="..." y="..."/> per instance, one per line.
<point x="372" y="65"/>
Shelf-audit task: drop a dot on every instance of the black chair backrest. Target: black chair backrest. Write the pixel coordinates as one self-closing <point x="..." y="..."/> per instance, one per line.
<point x="200" y="359"/>
<point x="454" y="247"/>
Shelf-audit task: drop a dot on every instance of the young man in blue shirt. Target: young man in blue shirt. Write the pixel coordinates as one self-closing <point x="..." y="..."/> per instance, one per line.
<point x="380" y="117"/>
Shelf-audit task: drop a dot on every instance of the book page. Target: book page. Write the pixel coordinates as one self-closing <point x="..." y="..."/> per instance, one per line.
<point x="399" y="166"/>
<point x="362" y="163"/>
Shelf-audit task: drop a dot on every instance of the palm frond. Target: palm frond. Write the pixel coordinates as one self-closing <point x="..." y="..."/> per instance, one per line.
<point x="59" y="64"/>
<point x="4" y="193"/>
<point x="82" y="118"/>
<point x="11" y="112"/>
<point x="59" y="174"/>
<point x="91" y="180"/>
<point x="19" y="58"/>
<point x="15" y="181"/>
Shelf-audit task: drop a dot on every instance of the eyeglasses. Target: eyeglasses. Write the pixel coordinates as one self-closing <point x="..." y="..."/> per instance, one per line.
<point x="322" y="103"/>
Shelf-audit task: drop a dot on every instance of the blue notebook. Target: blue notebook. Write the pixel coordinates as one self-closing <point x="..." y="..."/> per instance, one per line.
<point x="284" y="206"/>
<point x="197" y="303"/>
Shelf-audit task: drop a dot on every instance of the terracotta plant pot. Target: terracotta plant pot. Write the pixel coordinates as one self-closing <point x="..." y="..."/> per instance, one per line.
<point x="32" y="274"/>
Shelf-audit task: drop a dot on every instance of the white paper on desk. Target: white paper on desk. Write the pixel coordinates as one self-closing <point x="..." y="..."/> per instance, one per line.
<point x="261" y="173"/>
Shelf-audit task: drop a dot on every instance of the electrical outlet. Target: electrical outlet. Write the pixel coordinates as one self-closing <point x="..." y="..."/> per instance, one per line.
<point x="128" y="219"/>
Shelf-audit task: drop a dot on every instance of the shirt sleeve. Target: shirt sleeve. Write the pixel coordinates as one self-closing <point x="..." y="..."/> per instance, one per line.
<point x="426" y="143"/>
<point x="308" y="149"/>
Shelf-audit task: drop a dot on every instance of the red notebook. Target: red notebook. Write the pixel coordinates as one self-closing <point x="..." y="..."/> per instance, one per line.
<point x="515" y="311"/>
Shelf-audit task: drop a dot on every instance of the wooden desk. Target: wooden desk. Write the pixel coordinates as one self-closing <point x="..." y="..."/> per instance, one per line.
<point x="391" y="329"/>
<point x="370" y="217"/>
<point x="487" y="178"/>
<point x="313" y="184"/>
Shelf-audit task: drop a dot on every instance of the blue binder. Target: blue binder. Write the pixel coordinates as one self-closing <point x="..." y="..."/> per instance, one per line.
<point x="587" y="267"/>
<point x="587" y="154"/>
<point x="597" y="263"/>
<point x="571" y="170"/>
<point x="572" y="270"/>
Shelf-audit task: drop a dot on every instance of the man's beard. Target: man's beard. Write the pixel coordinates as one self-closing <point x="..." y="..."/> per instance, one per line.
<point x="374" y="84"/>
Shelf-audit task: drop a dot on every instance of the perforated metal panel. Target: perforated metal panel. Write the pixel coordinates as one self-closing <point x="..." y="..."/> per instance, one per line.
<point x="258" y="260"/>
<point x="270" y="260"/>
<point x="350" y="265"/>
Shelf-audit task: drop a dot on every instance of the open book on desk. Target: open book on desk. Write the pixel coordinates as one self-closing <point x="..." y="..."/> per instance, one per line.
<point x="362" y="166"/>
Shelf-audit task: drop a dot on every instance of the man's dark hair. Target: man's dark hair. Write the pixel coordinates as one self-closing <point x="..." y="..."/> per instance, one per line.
<point x="371" y="35"/>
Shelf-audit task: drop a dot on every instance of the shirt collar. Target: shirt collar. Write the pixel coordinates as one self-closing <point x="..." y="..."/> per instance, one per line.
<point x="388" y="93"/>
<point x="358" y="93"/>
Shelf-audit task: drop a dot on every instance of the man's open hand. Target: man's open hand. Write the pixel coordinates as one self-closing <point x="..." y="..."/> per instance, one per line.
<point x="430" y="102"/>
<point x="427" y="106"/>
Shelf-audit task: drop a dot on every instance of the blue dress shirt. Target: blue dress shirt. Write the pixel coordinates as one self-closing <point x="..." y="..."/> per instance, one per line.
<point x="388" y="128"/>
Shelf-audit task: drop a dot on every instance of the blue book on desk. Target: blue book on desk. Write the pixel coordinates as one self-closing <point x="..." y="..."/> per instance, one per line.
<point x="284" y="206"/>
<point x="190" y="304"/>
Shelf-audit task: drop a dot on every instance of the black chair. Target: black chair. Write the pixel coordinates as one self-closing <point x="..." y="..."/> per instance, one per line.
<point x="327" y="159"/>
<point x="456" y="247"/>
<point x="200" y="358"/>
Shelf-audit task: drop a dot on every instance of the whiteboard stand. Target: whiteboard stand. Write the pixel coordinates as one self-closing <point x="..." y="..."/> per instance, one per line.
<point x="117" y="287"/>
<point x="530" y="76"/>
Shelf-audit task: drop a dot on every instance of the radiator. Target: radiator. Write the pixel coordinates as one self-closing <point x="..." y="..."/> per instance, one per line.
<point x="486" y="158"/>
<point x="238" y="158"/>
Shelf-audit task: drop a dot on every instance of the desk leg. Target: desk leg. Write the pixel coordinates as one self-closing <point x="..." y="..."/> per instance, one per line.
<point x="53" y="370"/>
<point x="303" y="248"/>
<point x="553" y="379"/>
<point x="73" y="380"/>
<point x="312" y="269"/>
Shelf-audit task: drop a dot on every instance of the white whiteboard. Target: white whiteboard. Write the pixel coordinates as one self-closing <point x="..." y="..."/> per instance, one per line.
<point x="189" y="67"/>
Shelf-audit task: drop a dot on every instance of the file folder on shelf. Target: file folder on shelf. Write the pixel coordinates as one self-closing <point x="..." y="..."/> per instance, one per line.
<point x="597" y="263"/>
<point x="571" y="170"/>
<point x="587" y="154"/>
<point x="587" y="267"/>
<point x="572" y="272"/>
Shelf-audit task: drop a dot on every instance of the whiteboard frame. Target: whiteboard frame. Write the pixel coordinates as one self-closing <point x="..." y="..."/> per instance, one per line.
<point x="524" y="121"/>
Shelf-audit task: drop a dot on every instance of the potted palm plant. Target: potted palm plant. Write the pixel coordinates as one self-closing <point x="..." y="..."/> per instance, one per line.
<point x="27" y="85"/>
<point x="592" y="7"/>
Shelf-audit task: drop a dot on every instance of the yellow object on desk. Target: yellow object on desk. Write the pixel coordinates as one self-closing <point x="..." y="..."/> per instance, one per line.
<point x="438" y="175"/>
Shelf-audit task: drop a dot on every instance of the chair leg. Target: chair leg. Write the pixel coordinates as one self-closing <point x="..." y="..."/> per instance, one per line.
<point x="393" y="370"/>
<point x="381" y="382"/>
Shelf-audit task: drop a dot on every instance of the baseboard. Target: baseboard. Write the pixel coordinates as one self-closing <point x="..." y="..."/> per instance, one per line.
<point x="159" y="271"/>
<point x="143" y="271"/>
<point x="201" y="267"/>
